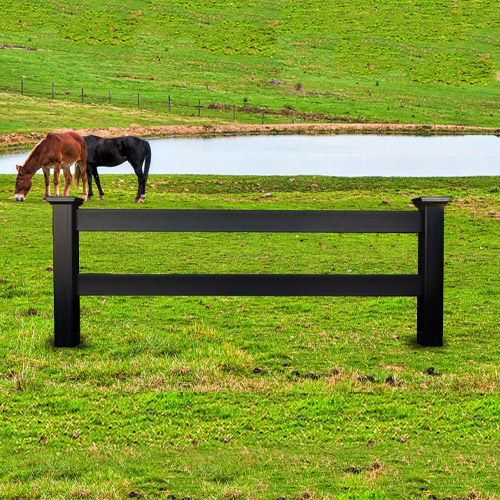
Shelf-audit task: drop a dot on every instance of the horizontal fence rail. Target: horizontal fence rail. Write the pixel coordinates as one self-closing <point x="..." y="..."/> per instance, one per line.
<point x="272" y="285"/>
<point x="427" y="285"/>
<point x="283" y="221"/>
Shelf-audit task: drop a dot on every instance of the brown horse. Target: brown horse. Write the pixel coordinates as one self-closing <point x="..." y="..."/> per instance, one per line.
<point x="55" y="151"/>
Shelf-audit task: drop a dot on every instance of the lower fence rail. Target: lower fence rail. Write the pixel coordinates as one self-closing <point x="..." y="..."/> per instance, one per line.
<point x="427" y="285"/>
<point x="271" y="285"/>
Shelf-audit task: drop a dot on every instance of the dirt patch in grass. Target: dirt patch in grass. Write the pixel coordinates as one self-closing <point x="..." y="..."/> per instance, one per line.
<point x="16" y="140"/>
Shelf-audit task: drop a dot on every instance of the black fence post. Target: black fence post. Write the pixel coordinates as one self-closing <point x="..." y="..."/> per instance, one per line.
<point x="430" y="270"/>
<point x="65" y="264"/>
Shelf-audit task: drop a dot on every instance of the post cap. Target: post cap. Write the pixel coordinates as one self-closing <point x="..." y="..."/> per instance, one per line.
<point x="431" y="201"/>
<point x="65" y="200"/>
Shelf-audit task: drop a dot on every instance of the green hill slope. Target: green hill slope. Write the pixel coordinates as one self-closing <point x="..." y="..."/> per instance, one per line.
<point x="417" y="61"/>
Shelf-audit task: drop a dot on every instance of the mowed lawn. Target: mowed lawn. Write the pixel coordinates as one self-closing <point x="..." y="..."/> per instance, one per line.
<point x="252" y="397"/>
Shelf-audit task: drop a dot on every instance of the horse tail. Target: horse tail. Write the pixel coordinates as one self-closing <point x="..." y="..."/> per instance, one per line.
<point x="80" y="165"/>
<point x="147" y="161"/>
<point x="78" y="173"/>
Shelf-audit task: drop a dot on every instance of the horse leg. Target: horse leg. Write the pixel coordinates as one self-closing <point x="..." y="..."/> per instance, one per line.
<point x="89" y="180"/>
<point x="98" y="183"/>
<point x="57" y="173"/>
<point x="46" y="176"/>
<point x="67" y="180"/>
<point x="141" y="180"/>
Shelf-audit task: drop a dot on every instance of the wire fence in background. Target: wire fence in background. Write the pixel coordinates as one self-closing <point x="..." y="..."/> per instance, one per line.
<point x="145" y="102"/>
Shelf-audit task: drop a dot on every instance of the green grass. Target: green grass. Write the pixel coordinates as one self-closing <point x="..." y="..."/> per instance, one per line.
<point x="416" y="62"/>
<point x="161" y="397"/>
<point x="30" y="114"/>
<point x="162" y="393"/>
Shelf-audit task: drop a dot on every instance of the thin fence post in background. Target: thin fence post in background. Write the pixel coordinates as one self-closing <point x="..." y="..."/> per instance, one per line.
<point x="169" y="109"/>
<point x="234" y="112"/>
<point x="138" y="101"/>
<point x="430" y="270"/>
<point x="65" y="263"/>
<point x="109" y="96"/>
<point x="263" y="112"/>
<point x="293" y="117"/>
<point x="22" y="85"/>
<point x="82" y="94"/>
<point x="52" y="90"/>
<point x="199" y="107"/>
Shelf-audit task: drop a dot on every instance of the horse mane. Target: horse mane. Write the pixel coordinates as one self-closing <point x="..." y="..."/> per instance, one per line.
<point x="31" y="153"/>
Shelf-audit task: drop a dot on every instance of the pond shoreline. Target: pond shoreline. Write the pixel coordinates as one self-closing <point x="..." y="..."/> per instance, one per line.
<point x="15" y="141"/>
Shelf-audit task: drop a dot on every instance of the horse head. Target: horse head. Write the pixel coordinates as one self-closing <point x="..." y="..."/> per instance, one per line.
<point x="23" y="184"/>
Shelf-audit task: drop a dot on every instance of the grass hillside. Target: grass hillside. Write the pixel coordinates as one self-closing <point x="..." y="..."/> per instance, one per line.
<point x="392" y="61"/>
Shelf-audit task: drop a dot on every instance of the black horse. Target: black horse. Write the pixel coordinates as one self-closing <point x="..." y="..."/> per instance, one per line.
<point x="112" y="152"/>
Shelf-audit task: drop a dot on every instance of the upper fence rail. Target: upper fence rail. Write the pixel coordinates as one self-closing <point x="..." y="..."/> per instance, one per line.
<point x="302" y="221"/>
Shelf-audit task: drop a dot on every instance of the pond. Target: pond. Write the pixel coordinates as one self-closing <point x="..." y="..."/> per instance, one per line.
<point x="334" y="155"/>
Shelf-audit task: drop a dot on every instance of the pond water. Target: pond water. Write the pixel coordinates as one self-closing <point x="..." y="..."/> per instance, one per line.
<point x="335" y="155"/>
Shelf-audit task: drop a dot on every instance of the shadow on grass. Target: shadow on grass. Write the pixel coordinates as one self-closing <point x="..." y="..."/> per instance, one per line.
<point x="50" y="345"/>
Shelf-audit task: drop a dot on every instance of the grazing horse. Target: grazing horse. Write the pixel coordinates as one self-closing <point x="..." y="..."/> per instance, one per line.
<point x="55" y="151"/>
<point x="112" y="152"/>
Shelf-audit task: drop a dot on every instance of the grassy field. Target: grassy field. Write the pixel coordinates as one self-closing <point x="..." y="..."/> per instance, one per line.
<point x="412" y="62"/>
<point x="250" y="397"/>
<point x="163" y="398"/>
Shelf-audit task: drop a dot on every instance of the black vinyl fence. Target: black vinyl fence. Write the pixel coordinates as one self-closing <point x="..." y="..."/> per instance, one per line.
<point x="427" y="285"/>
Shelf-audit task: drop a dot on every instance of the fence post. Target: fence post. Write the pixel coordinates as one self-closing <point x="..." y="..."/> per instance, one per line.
<point x="234" y="112"/>
<point x="169" y="104"/>
<point x="52" y="90"/>
<point x="82" y="94"/>
<point x="199" y="107"/>
<point x="430" y="270"/>
<point x="263" y="117"/>
<point x="293" y="117"/>
<point x="65" y="265"/>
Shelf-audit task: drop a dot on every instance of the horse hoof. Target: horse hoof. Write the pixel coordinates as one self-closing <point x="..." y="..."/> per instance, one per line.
<point x="138" y="200"/>
<point x="101" y="197"/>
<point x="44" y="200"/>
